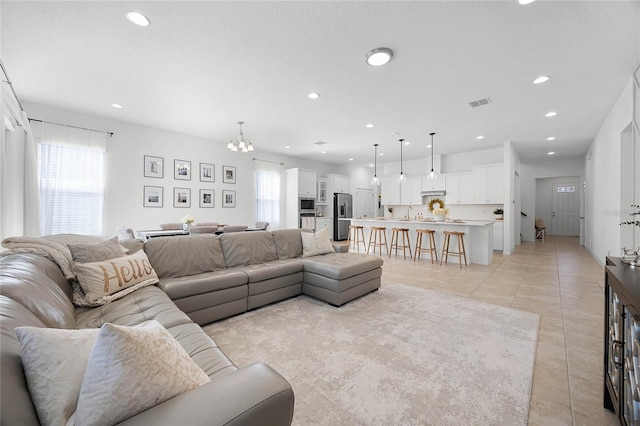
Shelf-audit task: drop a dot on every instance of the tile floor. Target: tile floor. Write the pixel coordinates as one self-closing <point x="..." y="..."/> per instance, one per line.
<point x="557" y="279"/>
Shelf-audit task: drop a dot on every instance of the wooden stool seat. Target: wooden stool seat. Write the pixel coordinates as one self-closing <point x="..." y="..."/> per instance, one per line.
<point x="445" y="247"/>
<point x="431" y="235"/>
<point x="356" y="237"/>
<point x="376" y="235"/>
<point x="395" y="233"/>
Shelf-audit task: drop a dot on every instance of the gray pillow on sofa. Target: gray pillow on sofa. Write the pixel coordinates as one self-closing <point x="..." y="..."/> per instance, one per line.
<point x="89" y="253"/>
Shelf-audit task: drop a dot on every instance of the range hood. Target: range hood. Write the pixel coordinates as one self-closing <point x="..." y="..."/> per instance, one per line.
<point x="435" y="193"/>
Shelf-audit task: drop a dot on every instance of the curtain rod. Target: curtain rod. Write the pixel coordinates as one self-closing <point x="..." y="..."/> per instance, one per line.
<point x="8" y="81"/>
<point x="268" y="161"/>
<point x="69" y="125"/>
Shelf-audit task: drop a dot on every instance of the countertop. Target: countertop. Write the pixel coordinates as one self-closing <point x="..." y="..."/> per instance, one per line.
<point x="422" y="222"/>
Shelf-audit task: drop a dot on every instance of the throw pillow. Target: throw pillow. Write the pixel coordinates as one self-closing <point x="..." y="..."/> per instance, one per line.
<point x="132" y="369"/>
<point x="54" y="362"/>
<point x="87" y="253"/>
<point x="315" y="244"/>
<point x="99" y="280"/>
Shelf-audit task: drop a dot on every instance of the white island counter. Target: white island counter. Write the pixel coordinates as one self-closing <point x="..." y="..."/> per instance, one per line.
<point x="478" y="235"/>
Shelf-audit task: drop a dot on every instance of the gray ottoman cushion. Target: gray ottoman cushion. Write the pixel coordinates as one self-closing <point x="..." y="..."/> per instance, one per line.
<point x="340" y="265"/>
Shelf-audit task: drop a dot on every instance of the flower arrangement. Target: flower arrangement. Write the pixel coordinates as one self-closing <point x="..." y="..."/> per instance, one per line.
<point x="636" y="213"/>
<point x="435" y="203"/>
<point x="188" y="220"/>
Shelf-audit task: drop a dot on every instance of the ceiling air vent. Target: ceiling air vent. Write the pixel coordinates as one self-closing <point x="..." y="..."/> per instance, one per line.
<point x="480" y="102"/>
<point x="320" y="143"/>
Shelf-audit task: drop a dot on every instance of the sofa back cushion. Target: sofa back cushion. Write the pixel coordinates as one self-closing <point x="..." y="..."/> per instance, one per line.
<point x="288" y="243"/>
<point x="248" y="248"/>
<point x="179" y="256"/>
<point x="38" y="284"/>
<point x="15" y="400"/>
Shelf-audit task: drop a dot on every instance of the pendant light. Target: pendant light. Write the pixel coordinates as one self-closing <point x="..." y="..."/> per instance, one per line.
<point x="242" y="144"/>
<point x="402" y="176"/>
<point x="374" y="179"/>
<point x="432" y="174"/>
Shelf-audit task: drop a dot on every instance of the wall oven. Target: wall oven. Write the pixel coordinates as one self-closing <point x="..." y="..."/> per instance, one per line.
<point x="307" y="205"/>
<point x="308" y="221"/>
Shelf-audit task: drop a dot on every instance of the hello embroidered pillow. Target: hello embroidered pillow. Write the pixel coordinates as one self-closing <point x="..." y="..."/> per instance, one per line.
<point x="101" y="281"/>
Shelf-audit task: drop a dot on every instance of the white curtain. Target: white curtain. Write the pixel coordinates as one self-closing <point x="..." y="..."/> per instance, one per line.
<point x="71" y="165"/>
<point x="269" y="190"/>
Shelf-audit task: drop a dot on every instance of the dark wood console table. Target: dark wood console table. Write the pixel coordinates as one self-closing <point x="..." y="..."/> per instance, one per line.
<point x="622" y="340"/>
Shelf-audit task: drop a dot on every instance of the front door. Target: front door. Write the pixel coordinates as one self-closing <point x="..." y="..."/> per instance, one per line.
<point x="566" y="209"/>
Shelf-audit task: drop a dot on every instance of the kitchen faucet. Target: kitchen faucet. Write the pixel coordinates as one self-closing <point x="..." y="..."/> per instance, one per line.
<point x="407" y="215"/>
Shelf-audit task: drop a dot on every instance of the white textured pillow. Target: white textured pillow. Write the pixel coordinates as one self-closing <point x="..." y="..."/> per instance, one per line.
<point x="99" y="280"/>
<point x="315" y="244"/>
<point x="54" y="361"/>
<point x="132" y="369"/>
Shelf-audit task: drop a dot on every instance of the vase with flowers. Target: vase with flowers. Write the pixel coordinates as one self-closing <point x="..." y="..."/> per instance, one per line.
<point x="631" y="256"/>
<point x="436" y="206"/>
<point x="187" y="221"/>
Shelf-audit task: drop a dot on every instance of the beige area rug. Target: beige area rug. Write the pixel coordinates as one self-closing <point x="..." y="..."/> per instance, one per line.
<point x="399" y="356"/>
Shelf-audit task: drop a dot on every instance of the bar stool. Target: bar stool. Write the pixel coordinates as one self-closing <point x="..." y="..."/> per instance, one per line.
<point x="445" y="247"/>
<point x="431" y="235"/>
<point x="355" y="232"/>
<point x="395" y="233"/>
<point x="375" y="238"/>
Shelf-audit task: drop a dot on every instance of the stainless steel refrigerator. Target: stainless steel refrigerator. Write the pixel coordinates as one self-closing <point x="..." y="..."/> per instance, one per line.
<point x="342" y="208"/>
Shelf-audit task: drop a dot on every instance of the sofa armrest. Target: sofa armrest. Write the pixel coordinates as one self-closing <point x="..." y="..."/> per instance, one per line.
<point x="252" y="395"/>
<point x="340" y="247"/>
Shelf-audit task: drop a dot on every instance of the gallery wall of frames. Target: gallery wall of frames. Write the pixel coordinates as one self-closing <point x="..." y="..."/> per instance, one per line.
<point x="178" y="196"/>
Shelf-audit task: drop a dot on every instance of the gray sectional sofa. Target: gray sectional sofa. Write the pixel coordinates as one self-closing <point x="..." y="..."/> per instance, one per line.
<point x="212" y="277"/>
<point x="202" y="278"/>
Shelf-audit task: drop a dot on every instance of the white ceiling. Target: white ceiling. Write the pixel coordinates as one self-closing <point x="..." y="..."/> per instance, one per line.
<point x="202" y="66"/>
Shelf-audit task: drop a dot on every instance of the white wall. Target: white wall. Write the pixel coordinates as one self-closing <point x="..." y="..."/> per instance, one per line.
<point x="464" y="162"/>
<point x="125" y="180"/>
<point x="602" y="171"/>
<point x="512" y="206"/>
<point x="539" y="170"/>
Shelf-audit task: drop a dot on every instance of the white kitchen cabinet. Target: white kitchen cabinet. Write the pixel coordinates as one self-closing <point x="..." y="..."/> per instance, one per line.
<point x="338" y="183"/>
<point x="389" y="191"/>
<point x="459" y="188"/>
<point x="299" y="183"/>
<point x="438" y="184"/>
<point x="322" y="192"/>
<point x="307" y="183"/>
<point x="498" y="229"/>
<point x="488" y="184"/>
<point x="325" y="223"/>
<point x="410" y="191"/>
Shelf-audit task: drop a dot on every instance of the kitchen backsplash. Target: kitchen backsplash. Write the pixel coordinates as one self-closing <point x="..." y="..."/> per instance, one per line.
<point x="456" y="211"/>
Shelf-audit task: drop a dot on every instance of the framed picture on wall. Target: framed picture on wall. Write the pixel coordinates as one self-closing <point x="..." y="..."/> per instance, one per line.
<point x="153" y="196"/>
<point x="228" y="174"/>
<point x="181" y="197"/>
<point x="182" y="170"/>
<point x="229" y="199"/>
<point x="207" y="197"/>
<point x="153" y="166"/>
<point x="207" y="172"/>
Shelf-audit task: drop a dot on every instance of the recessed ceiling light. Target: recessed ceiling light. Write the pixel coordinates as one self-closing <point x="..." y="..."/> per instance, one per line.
<point x="429" y="146"/>
<point x="541" y="79"/>
<point x="381" y="154"/>
<point x="369" y="126"/>
<point x="117" y="106"/>
<point x="323" y="152"/>
<point x="523" y="2"/>
<point x="551" y="138"/>
<point x="407" y="143"/>
<point x="138" y="19"/>
<point x="480" y="137"/>
<point x="551" y="114"/>
<point x="370" y="164"/>
<point x="350" y="159"/>
<point x="551" y="153"/>
<point x="287" y="147"/>
<point x="313" y="95"/>
<point x="379" y="56"/>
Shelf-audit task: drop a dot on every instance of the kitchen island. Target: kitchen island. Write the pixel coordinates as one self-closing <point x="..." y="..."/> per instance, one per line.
<point x="478" y="235"/>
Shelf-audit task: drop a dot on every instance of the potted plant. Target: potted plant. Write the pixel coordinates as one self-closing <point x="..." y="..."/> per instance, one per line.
<point x="499" y="214"/>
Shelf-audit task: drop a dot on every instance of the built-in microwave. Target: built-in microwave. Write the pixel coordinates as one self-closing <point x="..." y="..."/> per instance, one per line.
<point x="307" y="204"/>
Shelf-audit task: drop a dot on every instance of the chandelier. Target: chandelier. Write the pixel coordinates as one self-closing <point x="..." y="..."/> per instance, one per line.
<point x="240" y="143"/>
<point x="432" y="174"/>
<point x="375" y="180"/>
